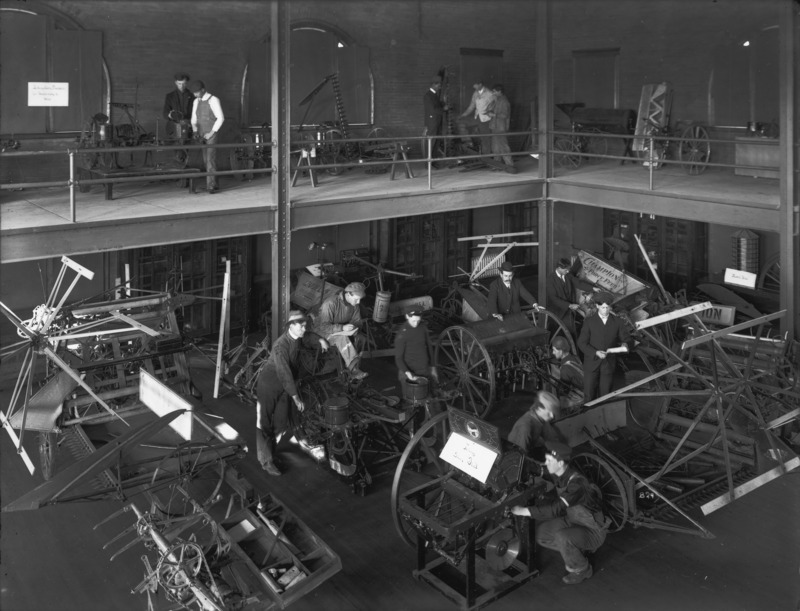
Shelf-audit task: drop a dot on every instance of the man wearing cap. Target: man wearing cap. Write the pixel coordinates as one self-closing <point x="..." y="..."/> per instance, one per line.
<point x="600" y="332"/>
<point x="567" y="368"/>
<point x="413" y="350"/>
<point x="561" y="293"/>
<point x="573" y="523"/>
<point x="207" y="119"/>
<point x="505" y="293"/>
<point x="339" y="320"/>
<point x="276" y="384"/>
<point x="535" y="427"/>
<point x="434" y="116"/>
<point x="478" y="115"/>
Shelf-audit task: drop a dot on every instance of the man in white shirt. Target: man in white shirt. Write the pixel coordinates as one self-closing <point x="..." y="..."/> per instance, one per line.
<point x="477" y="116"/>
<point x="207" y="119"/>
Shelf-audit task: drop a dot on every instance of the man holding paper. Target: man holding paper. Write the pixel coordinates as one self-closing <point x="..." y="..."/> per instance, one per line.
<point x="602" y="336"/>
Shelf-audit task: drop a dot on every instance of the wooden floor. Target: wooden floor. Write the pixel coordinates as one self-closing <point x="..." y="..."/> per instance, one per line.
<point x="53" y="560"/>
<point x="30" y="209"/>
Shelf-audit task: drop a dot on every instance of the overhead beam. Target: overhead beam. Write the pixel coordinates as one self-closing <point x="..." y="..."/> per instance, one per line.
<point x="665" y="204"/>
<point x="308" y="215"/>
<point x="108" y="236"/>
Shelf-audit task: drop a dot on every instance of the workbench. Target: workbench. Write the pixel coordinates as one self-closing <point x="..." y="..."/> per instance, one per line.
<point x="157" y="173"/>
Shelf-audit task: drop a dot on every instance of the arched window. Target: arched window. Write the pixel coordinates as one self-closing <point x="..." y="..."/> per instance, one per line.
<point x="329" y="74"/>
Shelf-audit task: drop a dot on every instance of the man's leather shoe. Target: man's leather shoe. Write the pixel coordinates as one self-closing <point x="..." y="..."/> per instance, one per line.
<point x="270" y="468"/>
<point x="212" y="190"/>
<point x="575" y="578"/>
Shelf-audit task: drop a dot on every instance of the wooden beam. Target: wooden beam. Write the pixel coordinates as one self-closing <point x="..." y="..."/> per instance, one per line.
<point x="661" y="318"/>
<point x="636" y="384"/>
<point x="749" y="486"/>
<point x="702" y="339"/>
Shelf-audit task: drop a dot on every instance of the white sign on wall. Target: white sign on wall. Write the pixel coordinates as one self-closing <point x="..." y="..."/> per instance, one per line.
<point x="48" y="94"/>
<point x="738" y="277"/>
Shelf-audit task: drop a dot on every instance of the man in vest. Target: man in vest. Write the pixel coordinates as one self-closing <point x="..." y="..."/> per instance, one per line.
<point x="573" y="522"/>
<point x="207" y="119"/>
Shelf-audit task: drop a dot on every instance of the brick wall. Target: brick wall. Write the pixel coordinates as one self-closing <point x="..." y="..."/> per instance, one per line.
<point x="145" y="42"/>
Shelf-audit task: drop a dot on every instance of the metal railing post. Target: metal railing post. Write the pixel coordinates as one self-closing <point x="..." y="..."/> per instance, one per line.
<point x="72" y="212"/>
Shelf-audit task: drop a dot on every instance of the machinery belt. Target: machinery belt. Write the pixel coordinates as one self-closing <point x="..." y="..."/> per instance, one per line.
<point x="80" y="446"/>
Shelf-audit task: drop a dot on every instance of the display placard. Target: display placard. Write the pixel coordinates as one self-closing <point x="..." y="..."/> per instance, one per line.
<point x="48" y="94"/>
<point x="471" y="457"/>
<point x="609" y="278"/>
<point x="738" y="277"/>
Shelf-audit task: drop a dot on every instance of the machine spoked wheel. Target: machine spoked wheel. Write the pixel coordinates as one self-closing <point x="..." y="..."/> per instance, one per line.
<point x="333" y="153"/>
<point x="418" y="465"/>
<point x="192" y="472"/>
<point x="567" y="154"/>
<point x="596" y="144"/>
<point x="179" y="565"/>
<point x="616" y="503"/>
<point x="48" y="444"/>
<point x="694" y="149"/>
<point x="465" y="364"/>
<point x="554" y="325"/>
<point x="242" y="158"/>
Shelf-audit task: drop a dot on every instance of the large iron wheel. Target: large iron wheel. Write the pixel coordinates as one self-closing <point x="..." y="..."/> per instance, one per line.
<point x="192" y="472"/>
<point x="48" y="444"/>
<point x="596" y="144"/>
<point x="418" y="465"/>
<point x="556" y="327"/>
<point x="694" y="149"/>
<point x="616" y="504"/>
<point x="465" y="364"/>
<point x="332" y="153"/>
<point x="242" y="158"/>
<point x="567" y="154"/>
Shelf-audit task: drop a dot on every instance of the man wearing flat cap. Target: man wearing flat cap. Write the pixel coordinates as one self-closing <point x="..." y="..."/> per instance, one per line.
<point x="535" y="427"/>
<point x="600" y="332"/>
<point x="339" y="321"/>
<point x="506" y="292"/>
<point x="413" y="350"/>
<point x="573" y="522"/>
<point x="277" y="384"/>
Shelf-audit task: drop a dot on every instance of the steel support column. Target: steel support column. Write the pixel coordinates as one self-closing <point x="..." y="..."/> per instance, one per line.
<point x="281" y="124"/>
<point x="789" y="240"/>
<point x="544" y="50"/>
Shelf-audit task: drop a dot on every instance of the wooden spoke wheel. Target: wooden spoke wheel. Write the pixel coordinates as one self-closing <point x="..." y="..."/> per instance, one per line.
<point x="616" y="502"/>
<point x="694" y="149"/>
<point x="769" y="277"/>
<point x="418" y="465"/>
<point x="556" y="327"/>
<point x="464" y="364"/>
<point x="48" y="445"/>
<point x="192" y="472"/>
<point x="566" y="153"/>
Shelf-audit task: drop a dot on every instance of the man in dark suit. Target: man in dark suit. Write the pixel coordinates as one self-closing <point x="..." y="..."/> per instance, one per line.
<point x="506" y="292"/>
<point x="434" y="116"/>
<point x="600" y="332"/>
<point x="178" y="108"/>
<point x="561" y="293"/>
